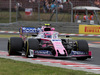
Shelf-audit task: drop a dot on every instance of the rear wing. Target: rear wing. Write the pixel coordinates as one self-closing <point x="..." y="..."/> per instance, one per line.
<point x="32" y="30"/>
<point x="29" y="30"/>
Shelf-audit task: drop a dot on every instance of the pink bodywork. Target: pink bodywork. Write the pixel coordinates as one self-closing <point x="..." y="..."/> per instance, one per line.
<point x="56" y="42"/>
<point x="43" y="27"/>
<point x="58" y="46"/>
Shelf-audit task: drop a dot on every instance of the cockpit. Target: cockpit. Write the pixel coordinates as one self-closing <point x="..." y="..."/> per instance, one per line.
<point x="48" y="34"/>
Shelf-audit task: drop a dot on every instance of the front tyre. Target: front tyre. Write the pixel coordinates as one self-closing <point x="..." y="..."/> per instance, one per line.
<point x="15" y="46"/>
<point x="82" y="45"/>
<point x="31" y="44"/>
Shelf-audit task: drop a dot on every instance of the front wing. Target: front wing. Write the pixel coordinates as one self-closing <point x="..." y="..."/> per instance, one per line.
<point x="48" y="54"/>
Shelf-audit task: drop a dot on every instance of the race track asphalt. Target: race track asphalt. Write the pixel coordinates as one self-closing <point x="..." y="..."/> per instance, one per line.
<point x="95" y="48"/>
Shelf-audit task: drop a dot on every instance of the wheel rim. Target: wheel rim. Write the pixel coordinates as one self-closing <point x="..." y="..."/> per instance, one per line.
<point x="9" y="47"/>
<point x="27" y="48"/>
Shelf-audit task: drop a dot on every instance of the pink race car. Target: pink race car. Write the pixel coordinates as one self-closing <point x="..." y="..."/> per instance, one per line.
<point x="47" y="44"/>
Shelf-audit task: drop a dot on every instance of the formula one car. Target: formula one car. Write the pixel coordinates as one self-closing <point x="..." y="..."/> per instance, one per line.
<point x="47" y="44"/>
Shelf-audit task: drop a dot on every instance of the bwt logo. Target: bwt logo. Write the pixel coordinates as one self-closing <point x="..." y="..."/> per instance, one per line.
<point x="43" y="52"/>
<point x="77" y="53"/>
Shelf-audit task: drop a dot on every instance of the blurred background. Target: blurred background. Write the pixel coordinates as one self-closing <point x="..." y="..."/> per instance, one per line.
<point x="42" y="10"/>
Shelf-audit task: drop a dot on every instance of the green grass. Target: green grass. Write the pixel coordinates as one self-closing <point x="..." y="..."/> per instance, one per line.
<point x="11" y="67"/>
<point x="4" y="17"/>
<point x="62" y="17"/>
<point x="7" y="36"/>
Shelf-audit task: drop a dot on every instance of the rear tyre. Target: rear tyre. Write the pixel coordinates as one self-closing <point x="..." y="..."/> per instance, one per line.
<point x="31" y="44"/>
<point x="15" y="45"/>
<point x="82" y="45"/>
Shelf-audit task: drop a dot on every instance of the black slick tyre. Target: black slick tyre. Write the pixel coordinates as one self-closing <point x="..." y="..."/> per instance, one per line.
<point x="82" y="45"/>
<point x="15" y="45"/>
<point x="31" y="44"/>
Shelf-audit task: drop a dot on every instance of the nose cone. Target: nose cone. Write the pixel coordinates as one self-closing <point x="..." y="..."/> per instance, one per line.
<point x="61" y="51"/>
